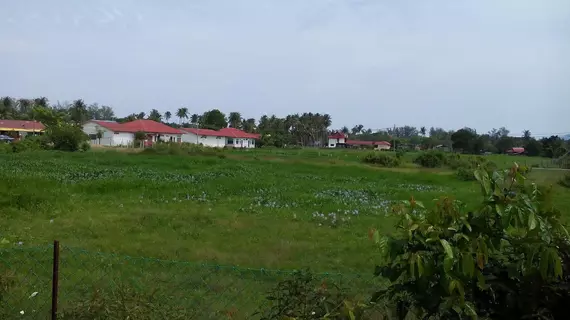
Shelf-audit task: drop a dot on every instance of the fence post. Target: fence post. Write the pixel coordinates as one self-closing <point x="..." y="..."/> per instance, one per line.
<point x="55" y="280"/>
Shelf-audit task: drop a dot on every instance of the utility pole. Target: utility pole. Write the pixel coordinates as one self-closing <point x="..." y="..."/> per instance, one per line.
<point x="394" y="137"/>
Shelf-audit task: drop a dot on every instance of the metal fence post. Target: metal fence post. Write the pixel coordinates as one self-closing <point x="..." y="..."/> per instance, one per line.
<point x="55" y="280"/>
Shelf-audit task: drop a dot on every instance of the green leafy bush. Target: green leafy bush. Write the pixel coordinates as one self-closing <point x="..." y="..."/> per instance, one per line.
<point x="303" y="296"/>
<point x="66" y="137"/>
<point x="504" y="261"/>
<point x="5" y="148"/>
<point x="465" y="174"/>
<point x="381" y="159"/>
<point x="84" y="146"/>
<point x="26" y="144"/>
<point x="430" y="159"/>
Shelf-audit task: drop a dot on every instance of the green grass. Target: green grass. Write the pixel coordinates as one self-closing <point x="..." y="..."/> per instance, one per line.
<point x="252" y="209"/>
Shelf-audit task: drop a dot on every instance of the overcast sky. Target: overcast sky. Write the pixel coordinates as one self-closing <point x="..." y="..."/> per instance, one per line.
<point x="379" y="63"/>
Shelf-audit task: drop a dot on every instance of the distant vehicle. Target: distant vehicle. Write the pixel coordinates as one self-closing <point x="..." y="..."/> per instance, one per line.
<point x="6" y="139"/>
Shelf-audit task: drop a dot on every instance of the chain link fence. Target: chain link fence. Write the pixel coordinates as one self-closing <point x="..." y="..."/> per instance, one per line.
<point x="95" y="285"/>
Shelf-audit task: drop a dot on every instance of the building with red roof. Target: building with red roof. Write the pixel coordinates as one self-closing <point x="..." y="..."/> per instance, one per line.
<point x="230" y="137"/>
<point x="111" y="133"/>
<point x="20" y="128"/>
<point x="340" y="140"/>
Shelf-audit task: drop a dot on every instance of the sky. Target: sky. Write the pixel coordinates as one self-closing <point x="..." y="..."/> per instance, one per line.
<point x="482" y="64"/>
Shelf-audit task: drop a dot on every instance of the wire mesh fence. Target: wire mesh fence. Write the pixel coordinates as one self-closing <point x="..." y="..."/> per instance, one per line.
<point x="95" y="285"/>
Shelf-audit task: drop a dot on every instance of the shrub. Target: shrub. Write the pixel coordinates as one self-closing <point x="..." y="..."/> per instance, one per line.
<point x="84" y="146"/>
<point x="504" y="261"/>
<point x="27" y="144"/>
<point x="66" y="137"/>
<point x="400" y="153"/>
<point x="565" y="181"/>
<point x="430" y="159"/>
<point x="381" y="159"/>
<point x="303" y="296"/>
<point x="5" y="148"/>
<point x="465" y="174"/>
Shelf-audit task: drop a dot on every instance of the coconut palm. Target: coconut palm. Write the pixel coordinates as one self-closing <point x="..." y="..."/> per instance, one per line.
<point x="167" y="115"/>
<point x="182" y="113"/>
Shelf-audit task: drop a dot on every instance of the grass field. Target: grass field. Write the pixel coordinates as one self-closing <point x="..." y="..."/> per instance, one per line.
<point x="276" y="209"/>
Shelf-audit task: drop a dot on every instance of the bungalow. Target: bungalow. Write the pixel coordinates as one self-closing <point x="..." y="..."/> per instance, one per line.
<point x="340" y="140"/>
<point x="18" y="129"/>
<point x="225" y="137"/>
<point x="123" y="134"/>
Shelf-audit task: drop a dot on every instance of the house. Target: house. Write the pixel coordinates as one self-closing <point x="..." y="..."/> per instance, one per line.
<point x="336" y="138"/>
<point x="516" y="151"/>
<point x="225" y="137"/>
<point x="340" y="140"/>
<point x="123" y="134"/>
<point x="18" y="129"/>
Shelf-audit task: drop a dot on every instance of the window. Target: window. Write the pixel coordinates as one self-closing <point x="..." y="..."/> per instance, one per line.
<point x="332" y="145"/>
<point x="116" y="133"/>
<point x="203" y="137"/>
<point x="218" y="138"/>
<point x="230" y="141"/>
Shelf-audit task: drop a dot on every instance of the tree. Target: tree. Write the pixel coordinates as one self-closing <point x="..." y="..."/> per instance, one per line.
<point x="234" y="120"/>
<point x="464" y="139"/>
<point x="194" y="119"/>
<point x="214" y="119"/>
<point x="141" y="115"/>
<point x="533" y="148"/>
<point x="526" y="135"/>
<point x="155" y="115"/>
<point x="167" y="115"/>
<point x="553" y="147"/>
<point x="504" y="143"/>
<point x="182" y="113"/>
<point x="423" y="131"/>
<point x="100" y="134"/>
<point x="249" y="125"/>
<point x="78" y="112"/>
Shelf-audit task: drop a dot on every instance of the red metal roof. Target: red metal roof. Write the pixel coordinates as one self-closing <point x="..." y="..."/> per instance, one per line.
<point x="21" y="124"/>
<point x="148" y="126"/>
<point x="224" y="132"/>
<point x="337" y="135"/>
<point x="367" y="143"/>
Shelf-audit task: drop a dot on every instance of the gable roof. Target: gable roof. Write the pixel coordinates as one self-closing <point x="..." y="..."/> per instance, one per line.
<point x="21" y="125"/>
<point x="148" y="126"/>
<point x="224" y="132"/>
<point x="337" y="135"/>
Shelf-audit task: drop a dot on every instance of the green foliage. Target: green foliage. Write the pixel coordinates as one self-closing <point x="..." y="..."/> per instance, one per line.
<point x="174" y="148"/>
<point x="66" y="137"/>
<point x="5" y="147"/>
<point x="565" y="181"/>
<point x="448" y="263"/>
<point x="465" y="174"/>
<point x="84" y="146"/>
<point x="381" y="159"/>
<point x="140" y="136"/>
<point x="430" y="159"/>
<point x="303" y="296"/>
<point x="27" y="144"/>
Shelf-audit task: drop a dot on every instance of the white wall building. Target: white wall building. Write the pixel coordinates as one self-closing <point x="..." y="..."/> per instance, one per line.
<point x="229" y="137"/>
<point x="123" y="134"/>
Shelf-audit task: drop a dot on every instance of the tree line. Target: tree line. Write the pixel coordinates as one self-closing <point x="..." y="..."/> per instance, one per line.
<point x="306" y="129"/>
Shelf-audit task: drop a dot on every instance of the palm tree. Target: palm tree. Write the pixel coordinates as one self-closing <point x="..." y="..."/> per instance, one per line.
<point x="182" y="113"/>
<point x="194" y="119"/>
<point x="423" y="131"/>
<point x="235" y="119"/>
<point x="6" y="108"/>
<point x="78" y="111"/>
<point x="167" y="115"/>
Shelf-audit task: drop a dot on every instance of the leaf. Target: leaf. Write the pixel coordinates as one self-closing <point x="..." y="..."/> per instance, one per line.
<point x="420" y="263"/>
<point x="483" y="179"/>
<point x="447" y="264"/>
<point x="531" y="221"/>
<point x="351" y="315"/>
<point x="447" y="248"/>
<point x="376" y="237"/>
<point x="4" y="241"/>
<point x="469" y="310"/>
<point x="557" y="265"/>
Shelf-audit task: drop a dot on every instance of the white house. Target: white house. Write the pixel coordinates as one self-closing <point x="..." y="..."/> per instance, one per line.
<point x="336" y="138"/>
<point x="229" y="137"/>
<point x="123" y="134"/>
